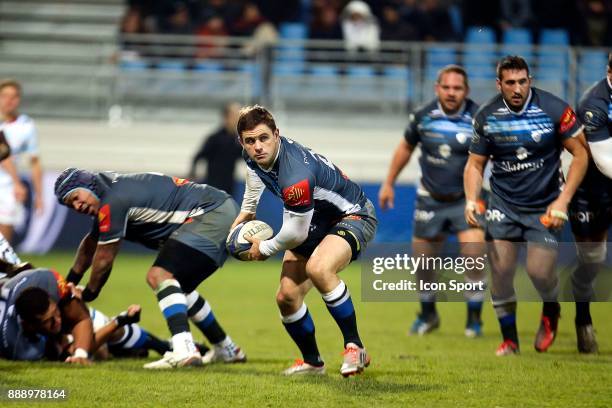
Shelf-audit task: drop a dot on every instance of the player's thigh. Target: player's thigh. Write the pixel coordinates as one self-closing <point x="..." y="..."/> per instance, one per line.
<point x="427" y="246"/>
<point x="541" y="260"/>
<point x="294" y="283"/>
<point x="188" y="265"/>
<point x="502" y="256"/>
<point x="429" y="220"/>
<point x="472" y="242"/>
<point x="332" y="255"/>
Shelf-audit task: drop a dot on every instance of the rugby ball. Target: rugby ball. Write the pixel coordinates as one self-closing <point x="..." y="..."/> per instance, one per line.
<point x="236" y="243"/>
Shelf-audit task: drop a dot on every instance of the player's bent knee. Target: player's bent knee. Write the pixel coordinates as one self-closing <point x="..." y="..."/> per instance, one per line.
<point x="591" y="252"/>
<point x="286" y="298"/>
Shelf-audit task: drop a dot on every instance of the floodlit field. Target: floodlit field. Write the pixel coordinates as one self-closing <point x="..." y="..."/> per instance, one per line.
<point x="444" y="369"/>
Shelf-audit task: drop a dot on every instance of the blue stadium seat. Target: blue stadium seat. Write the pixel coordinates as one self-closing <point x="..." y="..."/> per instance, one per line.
<point x="360" y="71"/>
<point x="440" y="56"/>
<point x="171" y="65"/>
<point x="480" y="71"/>
<point x="480" y="35"/>
<point x="133" y="65"/>
<point x="324" y="70"/>
<point x="293" y="31"/>
<point x="288" y="68"/>
<point x="596" y="59"/>
<point x="399" y="72"/>
<point x="550" y="36"/>
<point x="520" y="36"/>
<point x="208" y="66"/>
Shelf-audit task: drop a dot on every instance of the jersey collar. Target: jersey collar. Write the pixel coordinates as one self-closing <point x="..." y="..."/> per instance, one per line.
<point x="524" y="108"/>
<point x="459" y="112"/>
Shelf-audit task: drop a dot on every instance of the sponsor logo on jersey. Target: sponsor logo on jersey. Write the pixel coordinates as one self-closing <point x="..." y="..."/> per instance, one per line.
<point x="180" y="181"/>
<point x="104" y="218"/>
<point x="445" y="151"/>
<point x="567" y="120"/>
<point x="511" y="167"/>
<point x="521" y="153"/>
<point x="297" y="194"/>
<point x="462" y="137"/>
<point x="494" y="215"/>
<point x="423" y="216"/>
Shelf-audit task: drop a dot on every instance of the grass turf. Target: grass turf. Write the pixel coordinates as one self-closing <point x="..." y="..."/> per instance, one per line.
<point x="442" y="369"/>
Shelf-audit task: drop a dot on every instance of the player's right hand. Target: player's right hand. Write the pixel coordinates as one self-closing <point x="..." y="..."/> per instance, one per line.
<point x="386" y="196"/>
<point x="470" y="212"/>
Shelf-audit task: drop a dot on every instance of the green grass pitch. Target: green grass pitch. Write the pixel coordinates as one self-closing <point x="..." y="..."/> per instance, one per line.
<point x="443" y="369"/>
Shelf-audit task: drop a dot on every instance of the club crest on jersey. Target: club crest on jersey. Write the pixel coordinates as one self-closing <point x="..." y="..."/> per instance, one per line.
<point x="104" y="218"/>
<point x="567" y="120"/>
<point x="297" y="194"/>
<point x="522" y="153"/>
<point x="445" y="151"/>
<point x="462" y="137"/>
<point x="179" y="181"/>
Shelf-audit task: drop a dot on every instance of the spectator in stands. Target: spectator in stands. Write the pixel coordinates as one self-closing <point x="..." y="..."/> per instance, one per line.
<point x="251" y="23"/>
<point x="220" y="151"/>
<point x="396" y="28"/>
<point x="177" y="18"/>
<point x="325" y="24"/>
<point x="596" y="17"/>
<point x="360" y="28"/>
<point x="213" y="34"/>
<point x="480" y="13"/>
<point x="557" y="14"/>
<point x="436" y="21"/>
<point x="515" y="13"/>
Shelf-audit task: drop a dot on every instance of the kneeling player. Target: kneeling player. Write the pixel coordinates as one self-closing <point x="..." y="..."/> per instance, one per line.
<point x="327" y="222"/>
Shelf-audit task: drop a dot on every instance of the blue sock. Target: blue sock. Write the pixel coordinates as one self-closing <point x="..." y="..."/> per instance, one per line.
<point x="202" y="316"/>
<point x="301" y="328"/>
<point x="340" y="305"/>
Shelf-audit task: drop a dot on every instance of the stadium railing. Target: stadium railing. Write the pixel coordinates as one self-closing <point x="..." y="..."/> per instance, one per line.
<point x="147" y="76"/>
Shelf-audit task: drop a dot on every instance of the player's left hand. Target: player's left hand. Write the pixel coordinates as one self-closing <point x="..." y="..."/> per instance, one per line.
<point x="254" y="254"/>
<point x="556" y="214"/>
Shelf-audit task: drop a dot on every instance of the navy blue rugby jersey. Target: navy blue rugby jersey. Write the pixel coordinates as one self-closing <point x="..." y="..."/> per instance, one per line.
<point x="445" y="142"/>
<point x="148" y="207"/>
<point x="305" y="180"/>
<point x="525" y="147"/>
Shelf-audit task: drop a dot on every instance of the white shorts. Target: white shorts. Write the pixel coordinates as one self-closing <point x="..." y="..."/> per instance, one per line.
<point x="12" y="212"/>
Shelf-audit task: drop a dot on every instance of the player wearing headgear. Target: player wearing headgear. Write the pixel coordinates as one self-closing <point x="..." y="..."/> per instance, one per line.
<point x="591" y="208"/>
<point x="327" y="222"/>
<point x="186" y="222"/>
<point x="523" y="131"/>
<point x="443" y="129"/>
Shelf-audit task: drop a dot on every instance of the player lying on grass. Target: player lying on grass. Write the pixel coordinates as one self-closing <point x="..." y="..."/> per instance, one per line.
<point x="37" y="307"/>
<point x="186" y="222"/>
<point x="327" y="222"/>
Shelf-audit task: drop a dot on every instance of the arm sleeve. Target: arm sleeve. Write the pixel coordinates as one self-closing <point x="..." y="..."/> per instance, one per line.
<point x="480" y="143"/>
<point x="411" y="134"/>
<point x="253" y="189"/>
<point x="293" y="232"/>
<point x="602" y="155"/>
<point x="112" y="222"/>
<point x="566" y="121"/>
<point x="594" y="115"/>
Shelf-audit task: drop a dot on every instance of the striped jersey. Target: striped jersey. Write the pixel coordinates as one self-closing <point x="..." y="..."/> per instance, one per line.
<point x="148" y="207"/>
<point x="445" y="142"/>
<point x="306" y="180"/>
<point x="525" y="147"/>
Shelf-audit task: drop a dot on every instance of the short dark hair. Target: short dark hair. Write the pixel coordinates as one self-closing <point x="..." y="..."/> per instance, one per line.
<point x="252" y="116"/>
<point x="5" y="83"/>
<point x="457" y="69"/>
<point x="32" y="303"/>
<point x="610" y="60"/>
<point x="511" y="62"/>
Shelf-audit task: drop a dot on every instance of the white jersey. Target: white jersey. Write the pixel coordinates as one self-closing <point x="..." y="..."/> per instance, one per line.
<point x="22" y="137"/>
